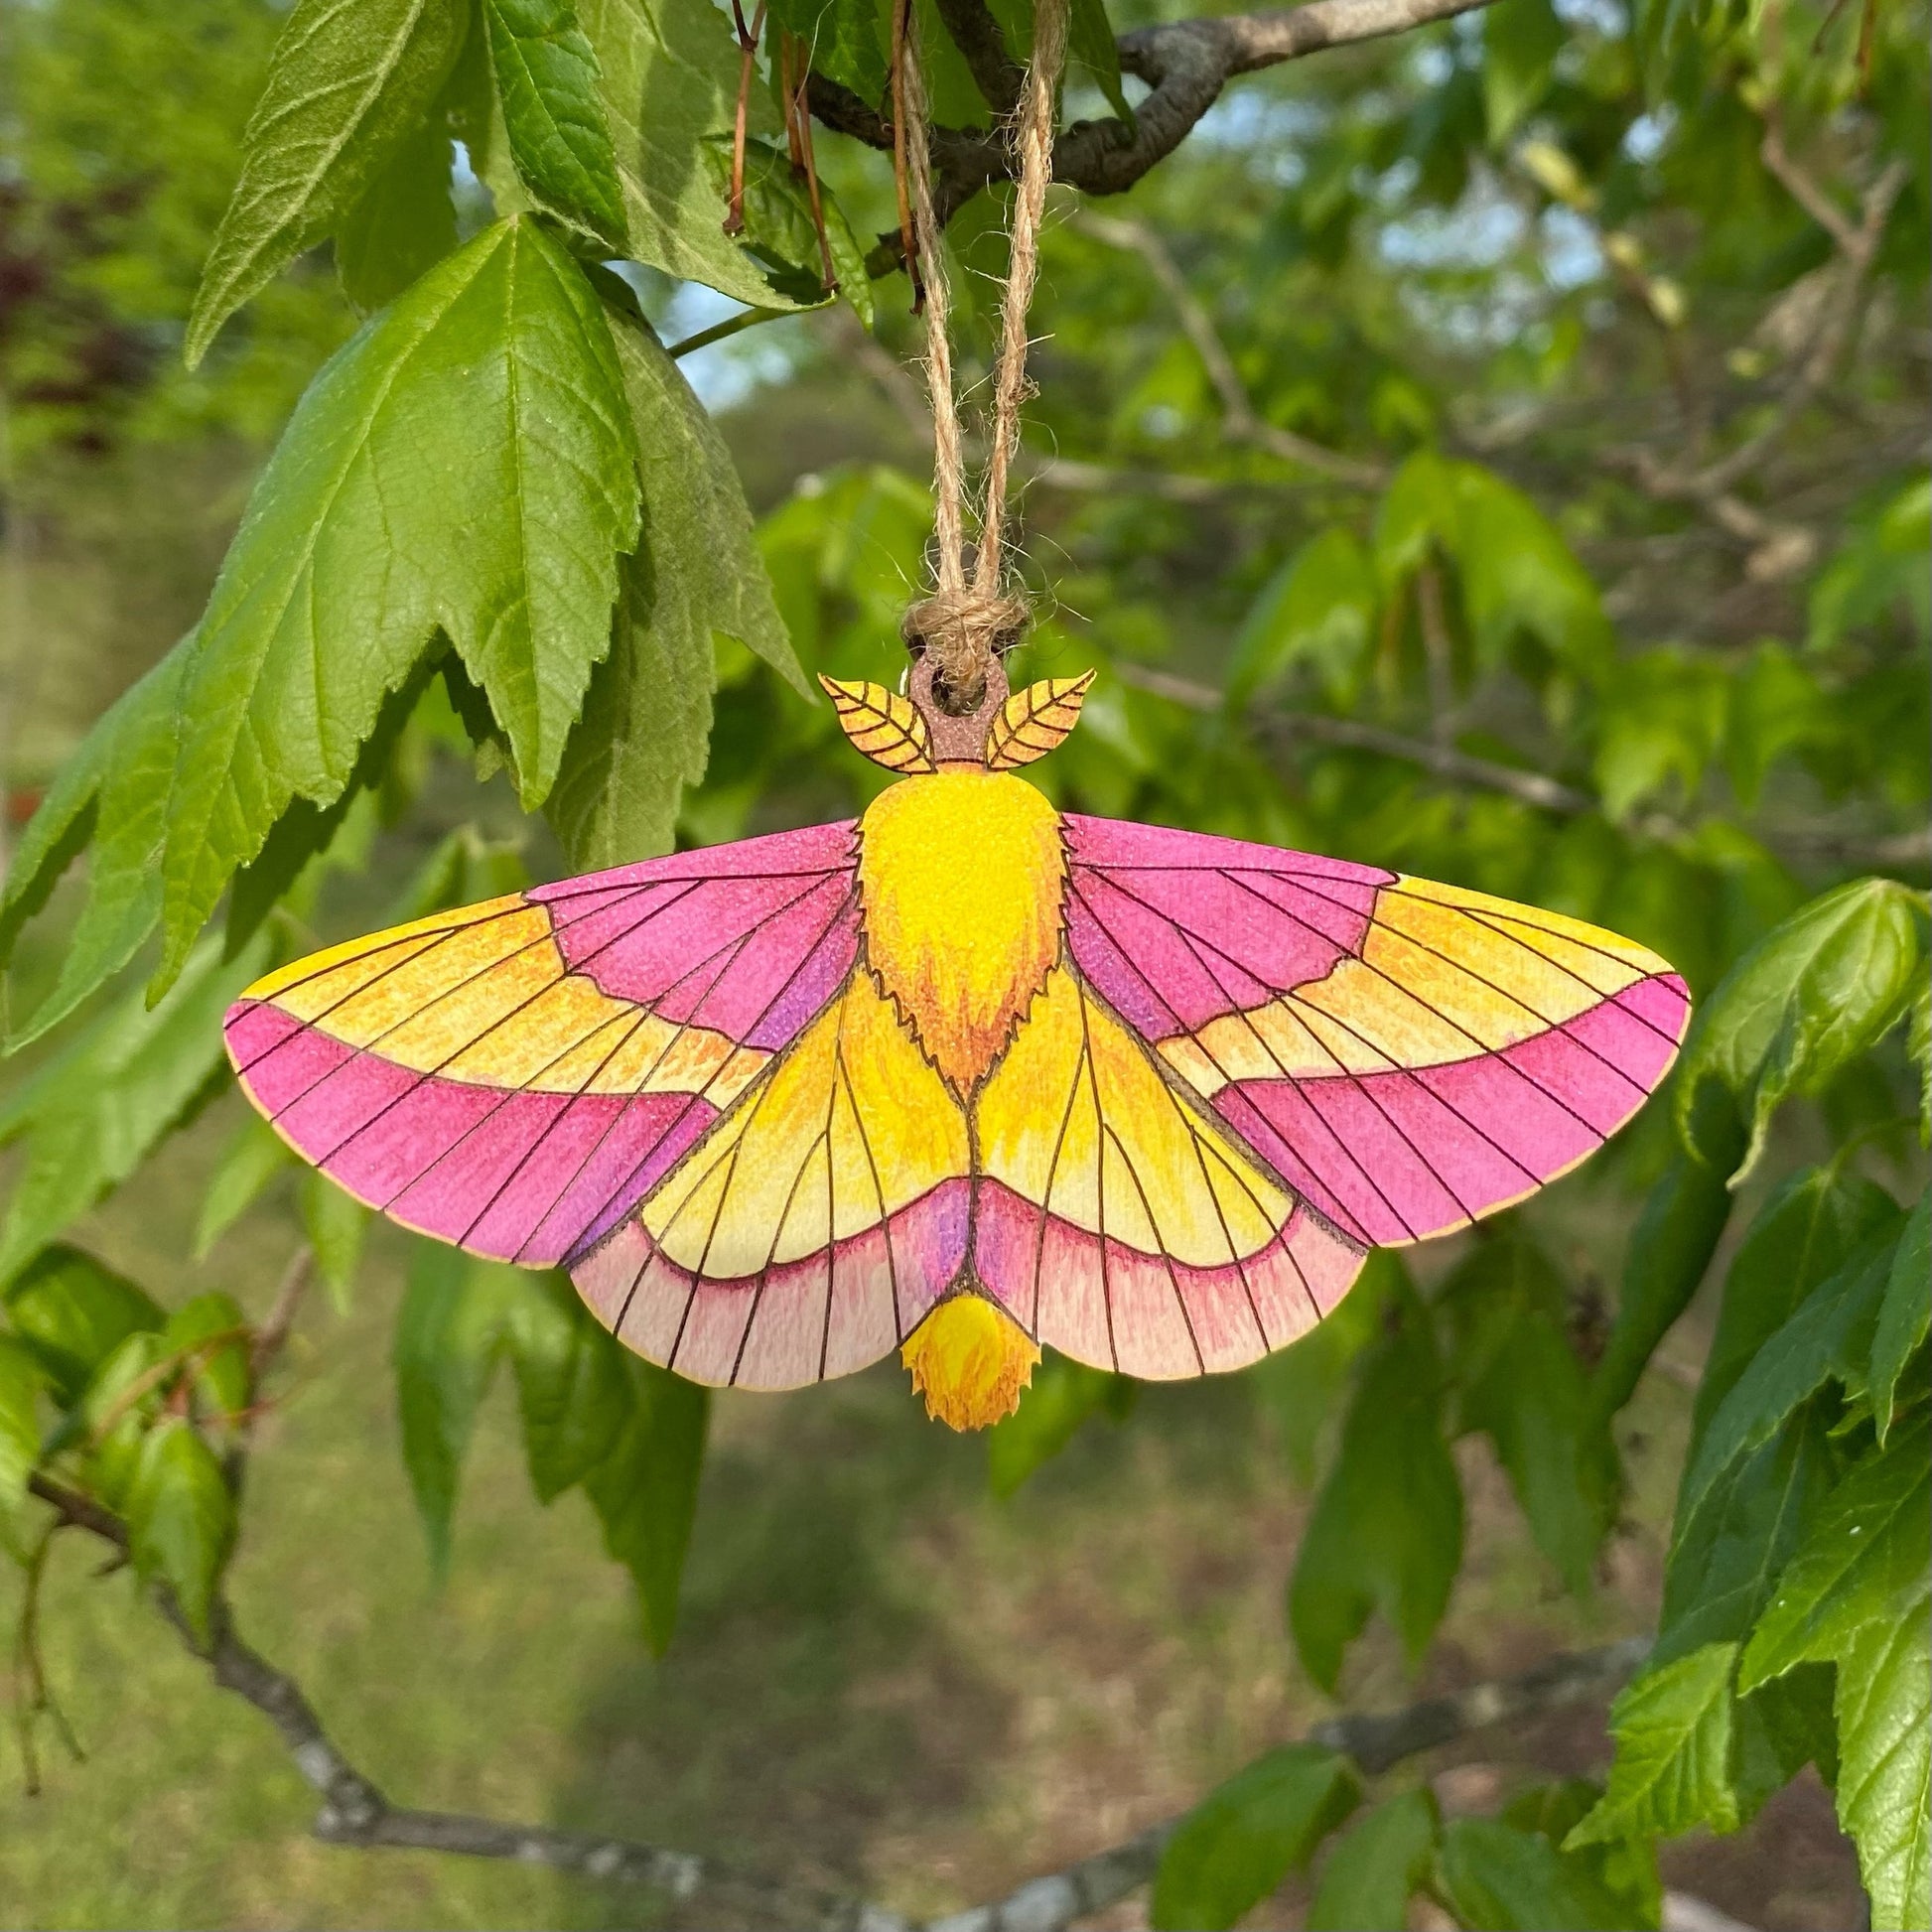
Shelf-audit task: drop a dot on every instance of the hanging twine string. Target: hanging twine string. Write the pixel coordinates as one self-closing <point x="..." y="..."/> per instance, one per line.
<point x="963" y="622"/>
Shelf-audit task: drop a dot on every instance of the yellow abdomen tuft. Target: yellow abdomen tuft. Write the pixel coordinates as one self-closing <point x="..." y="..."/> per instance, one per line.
<point x="970" y="1360"/>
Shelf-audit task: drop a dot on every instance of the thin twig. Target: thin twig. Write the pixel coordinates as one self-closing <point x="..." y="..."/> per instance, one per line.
<point x="272" y="1334"/>
<point x="1240" y="421"/>
<point x="1821" y="843"/>
<point x="1856" y="247"/>
<point x="730" y="326"/>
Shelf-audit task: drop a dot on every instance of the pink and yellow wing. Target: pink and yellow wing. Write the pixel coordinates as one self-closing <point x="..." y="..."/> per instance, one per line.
<point x="1118" y="1222"/>
<point x="814" y="1229"/>
<point x="517" y="1076"/>
<point x="1404" y="1057"/>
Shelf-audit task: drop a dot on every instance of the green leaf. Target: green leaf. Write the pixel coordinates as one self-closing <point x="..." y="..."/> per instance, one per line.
<point x="1663" y="719"/>
<point x="697" y="572"/>
<point x="669" y="78"/>
<point x="1386" y="1533"/>
<point x="645" y="1493"/>
<point x="335" y="1223"/>
<point x="845" y="39"/>
<point x="72" y="1313"/>
<point x="180" y="1518"/>
<point x="357" y="547"/>
<point x="1683" y="1217"/>
<point x="1802" y="1236"/>
<point x="1497" y="1878"/>
<point x="572" y="1384"/>
<point x="1301" y="1384"/>
<point x="1090" y="41"/>
<point x="1811" y="996"/>
<point x="553" y="115"/>
<point x="1905" y="1314"/>
<point x="1776" y="706"/>
<point x="450" y="1332"/>
<point x="347" y="81"/>
<point x="1520" y="42"/>
<point x="1376" y="1865"/>
<point x="1726" y="1553"/>
<point x="462" y="868"/>
<point x="255" y="1154"/>
<point x="309" y="841"/>
<point x="1521" y="1384"/>
<point x="112" y="796"/>
<point x="1830" y="1335"/>
<point x="94" y="1114"/>
<point x="21" y="1378"/>
<point x="1319" y="609"/>
<point x="1864" y="1563"/>
<point x="1673" y="1767"/>
<point x="1245" y="1835"/>
<point x="1876" y="570"/>
<point x="212" y="1329"/>
<point x="1856" y="1595"/>
<point x="1061" y="1396"/>
<point x="120" y="1403"/>
<point x="1518" y="576"/>
<point x="1919" y="1045"/>
<point x="1883" y="1705"/>
<point x="404" y="220"/>
<point x="779" y="227"/>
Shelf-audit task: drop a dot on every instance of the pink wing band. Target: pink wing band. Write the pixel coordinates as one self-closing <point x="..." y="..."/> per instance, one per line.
<point x="522" y="1173"/>
<point x="1200" y="942"/>
<point x="1097" y="1299"/>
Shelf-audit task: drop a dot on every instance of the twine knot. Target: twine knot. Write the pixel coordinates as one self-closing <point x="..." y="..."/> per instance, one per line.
<point x="960" y="633"/>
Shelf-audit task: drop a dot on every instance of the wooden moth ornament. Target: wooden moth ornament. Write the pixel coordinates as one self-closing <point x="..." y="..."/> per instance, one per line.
<point x="963" y="1077"/>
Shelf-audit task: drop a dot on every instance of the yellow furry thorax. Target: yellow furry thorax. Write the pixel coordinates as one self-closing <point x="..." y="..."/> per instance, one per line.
<point x="961" y="873"/>
<point x="970" y="1360"/>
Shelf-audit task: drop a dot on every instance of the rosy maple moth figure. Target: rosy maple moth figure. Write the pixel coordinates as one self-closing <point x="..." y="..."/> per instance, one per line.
<point x="965" y="1076"/>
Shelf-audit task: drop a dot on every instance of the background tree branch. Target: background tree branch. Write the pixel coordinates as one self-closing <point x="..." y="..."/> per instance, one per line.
<point x="356" y="1811"/>
<point x="1186" y="64"/>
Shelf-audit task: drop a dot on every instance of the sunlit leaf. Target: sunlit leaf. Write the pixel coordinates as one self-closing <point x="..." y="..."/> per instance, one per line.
<point x="1807" y="998"/>
<point x="695" y="573"/>
<point x="349" y="82"/>
<point x="355" y="550"/>
<point x="21" y="1378"/>
<point x="1673" y="1767"/>
<point x="553" y="113"/>
<point x="72" y="1312"/>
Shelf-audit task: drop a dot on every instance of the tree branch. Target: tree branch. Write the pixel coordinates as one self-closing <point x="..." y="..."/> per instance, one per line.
<point x="1239" y="420"/>
<point x="977" y="35"/>
<point x="1858" y="245"/>
<point x="354" y="1811"/>
<point x="1458" y="768"/>
<point x="1187" y="64"/>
